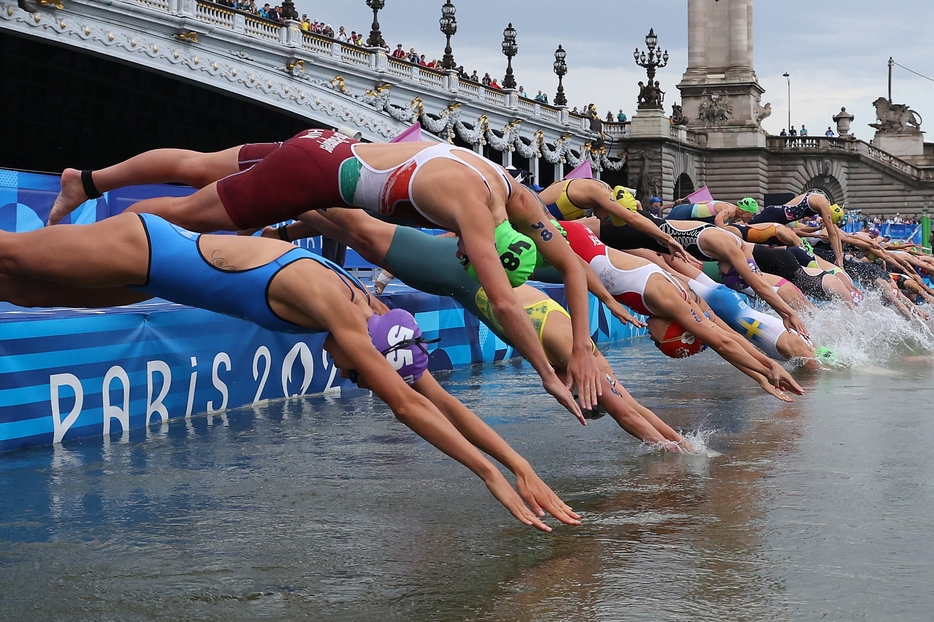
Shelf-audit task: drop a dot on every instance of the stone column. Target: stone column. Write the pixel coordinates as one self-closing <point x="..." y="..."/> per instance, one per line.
<point x="697" y="40"/>
<point x="739" y="39"/>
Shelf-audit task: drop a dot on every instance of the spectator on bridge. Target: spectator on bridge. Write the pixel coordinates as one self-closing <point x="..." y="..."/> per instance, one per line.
<point x="398" y="52"/>
<point x="783" y="132"/>
<point x="574" y="110"/>
<point x="804" y="130"/>
<point x="342" y="35"/>
<point x="621" y="117"/>
<point x="413" y="56"/>
<point x="264" y="12"/>
<point x="382" y="42"/>
<point x="522" y="92"/>
<point x="486" y="80"/>
<point x="494" y="85"/>
<point x="609" y="116"/>
<point x="422" y="62"/>
<point x="792" y="131"/>
<point x="829" y="133"/>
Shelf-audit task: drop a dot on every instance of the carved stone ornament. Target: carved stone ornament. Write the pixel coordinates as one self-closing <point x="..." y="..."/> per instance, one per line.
<point x="677" y="115"/>
<point x="763" y="112"/>
<point x="895" y="118"/>
<point x="715" y="110"/>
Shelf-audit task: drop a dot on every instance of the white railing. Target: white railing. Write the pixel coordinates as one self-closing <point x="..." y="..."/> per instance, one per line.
<point x="215" y="14"/>
<point x="433" y="82"/>
<point x="470" y="89"/>
<point x="495" y="97"/>
<point x="430" y="77"/>
<point x="158" y="4"/>
<point x="527" y="106"/>
<point x="261" y="28"/>
<point x="396" y="67"/>
<point x="314" y="43"/>
<point x="548" y="113"/>
<point x="355" y="55"/>
<point x="616" y="130"/>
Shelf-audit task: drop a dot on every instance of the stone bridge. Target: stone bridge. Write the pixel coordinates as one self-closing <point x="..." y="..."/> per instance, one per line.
<point x="128" y="75"/>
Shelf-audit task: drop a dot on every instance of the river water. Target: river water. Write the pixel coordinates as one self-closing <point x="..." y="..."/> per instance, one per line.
<point x="327" y="508"/>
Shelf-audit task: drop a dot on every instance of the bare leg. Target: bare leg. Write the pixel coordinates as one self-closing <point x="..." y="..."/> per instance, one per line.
<point x="201" y="211"/>
<point x="152" y="167"/>
<point x="32" y="293"/>
<point x="110" y="253"/>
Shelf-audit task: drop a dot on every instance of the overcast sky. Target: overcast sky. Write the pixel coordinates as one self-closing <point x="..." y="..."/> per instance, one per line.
<point x="836" y="51"/>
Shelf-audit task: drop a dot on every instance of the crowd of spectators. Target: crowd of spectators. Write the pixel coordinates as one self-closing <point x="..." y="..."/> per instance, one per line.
<point x="274" y="13"/>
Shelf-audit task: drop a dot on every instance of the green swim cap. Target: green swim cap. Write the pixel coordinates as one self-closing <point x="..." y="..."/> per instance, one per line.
<point x="516" y="252"/>
<point x="748" y="204"/>
<point x="826" y="356"/>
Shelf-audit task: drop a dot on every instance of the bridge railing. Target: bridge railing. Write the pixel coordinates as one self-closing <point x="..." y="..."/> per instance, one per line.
<point x="251" y="25"/>
<point x="822" y="143"/>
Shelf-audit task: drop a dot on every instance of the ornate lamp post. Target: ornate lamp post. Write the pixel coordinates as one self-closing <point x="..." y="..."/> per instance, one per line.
<point x="288" y="10"/>
<point x="650" y="97"/>
<point x="376" y="36"/>
<point x="510" y="49"/>
<point x="561" y="69"/>
<point x="449" y="28"/>
<point x="787" y="77"/>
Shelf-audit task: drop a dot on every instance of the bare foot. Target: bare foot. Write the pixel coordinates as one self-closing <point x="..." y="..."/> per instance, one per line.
<point x="71" y="196"/>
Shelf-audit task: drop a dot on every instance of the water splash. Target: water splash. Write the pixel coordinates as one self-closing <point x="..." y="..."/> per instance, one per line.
<point x="872" y="335"/>
<point x="695" y="439"/>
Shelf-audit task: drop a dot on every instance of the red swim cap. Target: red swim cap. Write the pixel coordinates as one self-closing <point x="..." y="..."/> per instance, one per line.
<point x="679" y="343"/>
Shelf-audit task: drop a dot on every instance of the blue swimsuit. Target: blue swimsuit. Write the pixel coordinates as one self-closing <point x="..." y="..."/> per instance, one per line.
<point x="180" y="273"/>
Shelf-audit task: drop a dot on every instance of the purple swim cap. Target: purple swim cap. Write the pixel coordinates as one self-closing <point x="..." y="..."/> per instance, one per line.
<point x="399" y="339"/>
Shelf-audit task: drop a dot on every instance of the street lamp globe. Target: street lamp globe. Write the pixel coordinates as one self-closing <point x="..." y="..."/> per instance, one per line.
<point x="510" y="49"/>
<point x="448" y="24"/>
<point x="561" y="70"/>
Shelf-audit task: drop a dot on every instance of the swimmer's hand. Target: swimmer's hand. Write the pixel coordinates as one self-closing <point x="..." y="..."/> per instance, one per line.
<point x="560" y="392"/>
<point x="772" y="390"/>
<point x="511" y="500"/>
<point x="541" y="498"/>
<point x="582" y="372"/>
<point x="677" y="251"/>
<point x="782" y="380"/>
<point x="793" y="322"/>
<point x="624" y="316"/>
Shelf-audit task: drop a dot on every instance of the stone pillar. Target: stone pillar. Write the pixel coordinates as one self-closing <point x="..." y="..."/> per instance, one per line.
<point x="722" y="97"/>
<point x="739" y="33"/>
<point x="697" y="40"/>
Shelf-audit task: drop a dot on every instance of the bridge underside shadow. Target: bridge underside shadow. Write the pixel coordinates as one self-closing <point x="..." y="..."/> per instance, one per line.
<point x="64" y="108"/>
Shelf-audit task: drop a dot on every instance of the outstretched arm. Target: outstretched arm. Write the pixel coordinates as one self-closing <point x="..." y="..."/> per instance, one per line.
<point x="737" y="259"/>
<point x="476" y="231"/>
<point x="638" y="222"/>
<point x="417" y="412"/>
<point x="531" y="488"/>
<point x="582" y="368"/>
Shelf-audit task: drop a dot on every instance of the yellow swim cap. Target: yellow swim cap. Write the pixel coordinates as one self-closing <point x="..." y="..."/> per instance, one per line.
<point x="623" y="196"/>
<point x="837" y="214"/>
